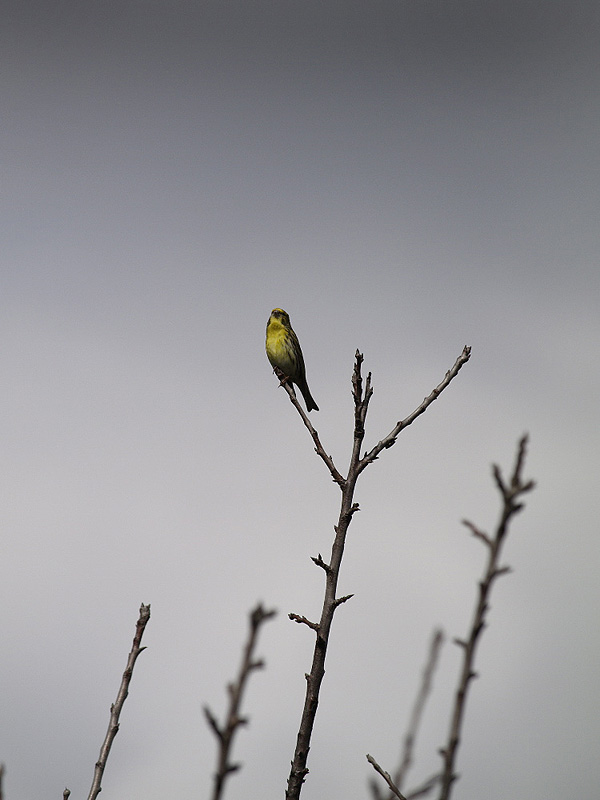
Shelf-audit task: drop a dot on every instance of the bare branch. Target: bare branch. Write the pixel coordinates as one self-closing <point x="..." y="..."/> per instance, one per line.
<point x="357" y="378"/>
<point x="502" y="571"/>
<point x="319" y="449"/>
<point x="304" y="621"/>
<point x="116" y="707"/>
<point x="419" y="706"/>
<point x="476" y="532"/>
<point x="497" y="473"/>
<point x="320" y="563"/>
<point x="390" y="439"/>
<point x="361" y="396"/>
<point x="225" y="733"/>
<point x="415" y="720"/>
<point x="386" y="777"/>
<point x="425" y="787"/>
<point x="339" y="600"/>
<point x="509" y="507"/>
<point x="299" y="770"/>
<point x="213" y="722"/>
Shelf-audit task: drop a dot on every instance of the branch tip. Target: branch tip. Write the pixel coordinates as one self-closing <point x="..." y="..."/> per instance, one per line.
<point x="506" y="570"/>
<point x="117" y="706"/>
<point x="386" y="777"/>
<point x="339" y="600"/>
<point x="362" y="392"/>
<point x="301" y="620"/>
<point x="390" y="439"/>
<point x="320" y="563"/>
<point x="479" y="534"/>
<point x="234" y="718"/>
<point x="478" y="624"/>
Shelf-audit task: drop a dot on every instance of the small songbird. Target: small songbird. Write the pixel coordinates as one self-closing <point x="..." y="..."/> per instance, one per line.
<point x="283" y="351"/>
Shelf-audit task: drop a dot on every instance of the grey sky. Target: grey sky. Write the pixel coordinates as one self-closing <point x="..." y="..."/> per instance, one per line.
<point x="403" y="178"/>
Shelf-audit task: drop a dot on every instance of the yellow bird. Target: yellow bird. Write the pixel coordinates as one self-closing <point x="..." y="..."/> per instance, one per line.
<point x="283" y="351"/>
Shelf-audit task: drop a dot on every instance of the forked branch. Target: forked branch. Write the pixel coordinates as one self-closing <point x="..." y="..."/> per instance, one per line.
<point x="390" y="439"/>
<point x="362" y="393"/>
<point x="511" y="493"/>
<point x="225" y="733"/>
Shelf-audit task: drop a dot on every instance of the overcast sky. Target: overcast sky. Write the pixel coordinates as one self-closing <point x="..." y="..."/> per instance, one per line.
<point x="402" y="177"/>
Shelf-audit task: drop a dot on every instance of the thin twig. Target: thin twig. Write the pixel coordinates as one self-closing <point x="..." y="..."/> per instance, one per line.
<point x="386" y="777"/>
<point x="331" y="602"/>
<point x="390" y="439"/>
<point x="426" y="787"/>
<point x="225" y="733"/>
<point x="362" y="394"/>
<point x="304" y="621"/>
<point x="1" y="781"/>
<point x="510" y="495"/>
<point x="115" y="709"/>
<point x="320" y="563"/>
<point x="415" y="719"/>
<point x="319" y="449"/>
<point x="410" y="737"/>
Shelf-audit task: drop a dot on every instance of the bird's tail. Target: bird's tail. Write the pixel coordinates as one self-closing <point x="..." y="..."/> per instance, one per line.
<point x="308" y="399"/>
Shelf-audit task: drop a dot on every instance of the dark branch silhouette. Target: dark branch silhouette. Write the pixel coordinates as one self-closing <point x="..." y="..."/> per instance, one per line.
<point x="116" y="707"/>
<point x="511" y="494"/>
<point x="390" y="439"/>
<point x="362" y="395"/>
<point x="225" y="733"/>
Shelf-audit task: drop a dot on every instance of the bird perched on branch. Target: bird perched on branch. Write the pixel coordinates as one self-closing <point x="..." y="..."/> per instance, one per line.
<point x="284" y="353"/>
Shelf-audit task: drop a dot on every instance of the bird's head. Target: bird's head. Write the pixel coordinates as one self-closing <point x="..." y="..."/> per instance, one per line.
<point x="281" y="315"/>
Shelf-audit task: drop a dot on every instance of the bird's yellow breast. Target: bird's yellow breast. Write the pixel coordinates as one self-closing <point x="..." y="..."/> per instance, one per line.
<point x="275" y="333"/>
<point x="275" y="336"/>
<point x="278" y="346"/>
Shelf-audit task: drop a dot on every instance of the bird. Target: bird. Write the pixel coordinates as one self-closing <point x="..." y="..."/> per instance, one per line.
<point x="284" y="353"/>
